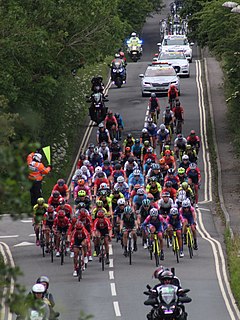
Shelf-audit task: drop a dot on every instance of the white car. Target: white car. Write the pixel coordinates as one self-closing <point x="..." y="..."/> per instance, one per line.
<point x="177" y="59"/>
<point x="176" y="43"/>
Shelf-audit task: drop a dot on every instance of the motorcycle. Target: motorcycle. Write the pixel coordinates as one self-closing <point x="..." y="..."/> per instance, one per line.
<point x="135" y="52"/>
<point x="118" y="73"/>
<point x="97" y="110"/>
<point x="167" y="302"/>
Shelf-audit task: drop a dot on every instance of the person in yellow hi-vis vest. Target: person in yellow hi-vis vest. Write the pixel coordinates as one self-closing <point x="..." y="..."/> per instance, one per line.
<point x="37" y="171"/>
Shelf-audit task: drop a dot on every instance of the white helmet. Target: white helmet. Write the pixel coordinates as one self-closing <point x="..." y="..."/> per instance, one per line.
<point x="144" y="130"/>
<point x="121" y="201"/>
<point x="120" y="179"/>
<point x="162" y="127"/>
<point x="103" y="186"/>
<point x="86" y="163"/>
<point x="37" y="157"/>
<point x="38" y="288"/>
<point x="98" y="169"/>
<point x="186" y="203"/>
<point x="185" y="157"/>
<point x="133" y="34"/>
<point x="84" y="169"/>
<point x="182" y="195"/>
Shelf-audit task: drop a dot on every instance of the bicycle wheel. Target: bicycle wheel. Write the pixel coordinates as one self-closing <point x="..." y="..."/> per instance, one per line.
<point x="42" y="242"/>
<point x="176" y="248"/>
<point x="155" y="250"/>
<point x="102" y="257"/>
<point x="130" y="250"/>
<point x="62" y="252"/>
<point x="190" y="244"/>
<point x="51" y="247"/>
<point x="80" y="265"/>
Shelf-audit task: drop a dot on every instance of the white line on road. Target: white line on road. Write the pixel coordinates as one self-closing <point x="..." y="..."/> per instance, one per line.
<point x="6" y="237"/>
<point x="113" y="289"/>
<point x="32" y="235"/>
<point x="110" y="250"/>
<point x="204" y="209"/>
<point x="111" y="263"/>
<point x="26" y="221"/>
<point x="116" y="309"/>
<point x="111" y="275"/>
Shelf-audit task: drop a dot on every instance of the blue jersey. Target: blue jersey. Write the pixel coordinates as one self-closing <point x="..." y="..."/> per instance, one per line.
<point x="132" y="180"/>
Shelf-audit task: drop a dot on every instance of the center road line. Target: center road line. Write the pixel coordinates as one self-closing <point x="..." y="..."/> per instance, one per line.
<point x="113" y="289"/>
<point x="111" y="263"/>
<point x="110" y="249"/>
<point x="6" y="237"/>
<point x="116" y="309"/>
<point x="111" y="275"/>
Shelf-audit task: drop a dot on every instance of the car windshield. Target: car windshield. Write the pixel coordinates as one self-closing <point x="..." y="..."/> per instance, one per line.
<point x="173" y="42"/>
<point x="160" y="72"/>
<point x="173" y="55"/>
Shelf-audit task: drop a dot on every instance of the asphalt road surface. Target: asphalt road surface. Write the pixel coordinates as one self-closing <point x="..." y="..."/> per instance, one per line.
<point x="117" y="291"/>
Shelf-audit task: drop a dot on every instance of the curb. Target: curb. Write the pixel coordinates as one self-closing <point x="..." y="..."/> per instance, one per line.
<point x="219" y="169"/>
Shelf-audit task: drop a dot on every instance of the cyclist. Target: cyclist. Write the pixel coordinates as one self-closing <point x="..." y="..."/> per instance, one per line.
<point x="38" y="214"/>
<point x="79" y="242"/>
<point x="163" y="136"/>
<point x="156" y="224"/>
<point x="147" y="166"/>
<point x="130" y="165"/>
<point x="128" y="223"/>
<point x="169" y="159"/>
<point x="48" y="220"/>
<point x="122" y="186"/>
<point x="163" y="169"/>
<point x="189" y="216"/>
<point x="107" y="203"/>
<point x="126" y="155"/>
<point x="103" y="134"/>
<point x="96" y="158"/>
<point x="100" y="179"/>
<point x="172" y="94"/>
<point x="62" y="187"/>
<point x="120" y="125"/>
<point x="146" y="145"/>
<point x="154" y="188"/>
<point x="81" y="185"/>
<point x="188" y="190"/>
<point x="108" y="170"/>
<point x="181" y="173"/>
<point x="191" y="152"/>
<point x="60" y="226"/>
<point x="154" y="107"/>
<point x="86" y="173"/>
<point x="178" y="116"/>
<point x="65" y="207"/>
<point x="117" y="216"/>
<point x="115" y="150"/>
<point x="145" y="136"/>
<point x="173" y="178"/>
<point x="84" y="199"/>
<point x="128" y="142"/>
<point x="165" y="204"/>
<point x="194" y="178"/>
<point x="89" y="151"/>
<point x="150" y="155"/>
<point x="169" y="188"/>
<point x="154" y="171"/>
<point x="118" y="172"/>
<point x="168" y="119"/>
<point x="115" y="196"/>
<point x="102" y="227"/>
<point x="98" y="172"/>
<point x="194" y="140"/>
<point x="135" y="178"/>
<point x="152" y="130"/>
<point x="105" y="151"/>
<point x="110" y="122"/>
<point x="174" y="221"/>
<point x="99" y="207"/>
<point x="37" y="307"/>
<point x="137" y="149"/>
<point x="143" y="212"/>
<point x="180" y="146"/>
<point x="53" y="200"/>
<point x="185" y="162"/>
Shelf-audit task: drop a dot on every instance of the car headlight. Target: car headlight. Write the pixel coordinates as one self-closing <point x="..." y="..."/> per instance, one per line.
<point x="146" y="84"/>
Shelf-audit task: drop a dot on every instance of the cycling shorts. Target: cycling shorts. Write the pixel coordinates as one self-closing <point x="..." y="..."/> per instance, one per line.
<point x="189" y="219"/>
<point x="62" y="229"/>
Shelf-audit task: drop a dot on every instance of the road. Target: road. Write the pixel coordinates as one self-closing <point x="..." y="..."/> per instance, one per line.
<point x="117" y="292"/>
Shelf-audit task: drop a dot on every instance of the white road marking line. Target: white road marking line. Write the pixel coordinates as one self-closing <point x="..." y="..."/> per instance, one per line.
<point x="113" y="289"/>
<point x="116" y="309"/>
<point x="110" y="249"/>
<point x="26" y="221"/>
<point x="13" y="236"/>
<point x="24" y="244"/>
<point x="111" y="275"/>
<point x="32" y="235"/>
<point x="111" y="263"/>
<point x="204" y="209"/>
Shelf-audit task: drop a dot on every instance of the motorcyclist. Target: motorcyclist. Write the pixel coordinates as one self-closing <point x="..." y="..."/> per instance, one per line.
<point x="116" y="63"/>
<point x="134" y="41"/>
<point x="97" y="84"/>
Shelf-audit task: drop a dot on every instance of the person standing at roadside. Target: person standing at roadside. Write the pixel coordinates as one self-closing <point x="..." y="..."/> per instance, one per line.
<point x="37" y="171"/>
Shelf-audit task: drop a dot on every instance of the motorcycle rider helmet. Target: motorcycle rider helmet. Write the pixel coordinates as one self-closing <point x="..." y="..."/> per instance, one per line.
<point x="44" y="280"/>
<point x="121" y="202"/>
<point x="120" y="179"/>
<point x="37" y="157"/>
<point x="153" y="95"/>
<point x="101" y="125"/>
<point x="38" y="288"/>
<point x="117" y="55"/>
<point x="121" y="53"/>
<point x="158" y="272"/>
<point x="133" y="34"/>
<point x="40" y="201"/>
<point x="153" y="212"/>
<point x="144" y="130"/>
<point x="166" y="275"/>
<point x="162" y="127"/>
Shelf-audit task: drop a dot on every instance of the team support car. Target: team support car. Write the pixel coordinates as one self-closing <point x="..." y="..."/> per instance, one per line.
<point x="158" y="78"/>
<point x="177" y="59"/>
<point x="176" y="43"/>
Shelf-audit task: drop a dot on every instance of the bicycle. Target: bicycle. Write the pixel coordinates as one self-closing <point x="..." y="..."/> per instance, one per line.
<point x="175" y="245"/>
<point x="102" y="253"/>
<point x="51" y="244"/>
<point x="63" y="247"/>
<point x="178" y="128"/>
<point x="80" y="267"/>
<point x="130" y="246"/>
<point x="42" y="239"/>
<point x="156" y="249"/>
<point x="189" y="239"/>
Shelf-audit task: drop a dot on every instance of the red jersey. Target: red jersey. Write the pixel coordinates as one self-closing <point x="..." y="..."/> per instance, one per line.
<point x="151" y="156"/>
<point x="78" y="235"/>
<point x="54" y="201"/>
<point x="98" y="182"/>
<point x="63" y="190"/>
<point x="103" y="224"/>
<point x="193" y="139"/>
<point x="87" y="221"/>
<point x="169" y="161"/>
<point x="178" y="112"/>
<point x="66" y="208"/>
<point x="61" y="222"/>
<point x="172" y="191"/>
